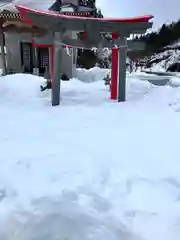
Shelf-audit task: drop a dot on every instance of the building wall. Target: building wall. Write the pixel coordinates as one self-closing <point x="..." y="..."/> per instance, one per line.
<point x="69" y="61"/>
<point x="1" y="62"/>
<point x="13" y="52"/>
<point x="13" y="40"/>
<point x="68" y="65"/>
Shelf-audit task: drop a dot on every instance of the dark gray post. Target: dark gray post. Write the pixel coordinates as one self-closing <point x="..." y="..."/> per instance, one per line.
<point x="57" y="58"/>
<point x="36" y="60"/>
<point x="122" y="71"/>
<point x="3" y="54"/>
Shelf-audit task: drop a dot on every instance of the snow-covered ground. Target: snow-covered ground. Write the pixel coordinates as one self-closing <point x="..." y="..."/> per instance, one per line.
<point x="90" y="168"/>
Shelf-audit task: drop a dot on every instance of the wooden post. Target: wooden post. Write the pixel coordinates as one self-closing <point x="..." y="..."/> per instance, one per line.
<point x="56" y="70"/>
<point x="3" y="54"/>
<point x="122" y="71"/>
<point x="114" y="71"/>
<point x="35" y="67"/>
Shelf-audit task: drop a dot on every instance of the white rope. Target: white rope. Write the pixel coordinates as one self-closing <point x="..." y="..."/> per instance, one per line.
<point x="94" y="49"/>
<point x="68" y="51"/>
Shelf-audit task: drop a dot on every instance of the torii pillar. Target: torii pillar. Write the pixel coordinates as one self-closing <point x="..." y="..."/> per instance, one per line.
<point x="118" y="70"/>
<point x="122" y="54"/>
<point x="56" y="69"/>
<point x="114" y="70"/>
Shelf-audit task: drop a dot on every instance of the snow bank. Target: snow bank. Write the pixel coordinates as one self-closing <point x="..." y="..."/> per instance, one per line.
<point x="22" y="88"/>
<point x="89" y="169"/>
<point x="92" y="75"/>
<point x="175" y="82"/>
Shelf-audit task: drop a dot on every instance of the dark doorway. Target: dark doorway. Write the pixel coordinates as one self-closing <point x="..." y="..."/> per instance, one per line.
<point x="43" y="55"/>
<point x="26" y="56"/>
<point x="28" y="60"/>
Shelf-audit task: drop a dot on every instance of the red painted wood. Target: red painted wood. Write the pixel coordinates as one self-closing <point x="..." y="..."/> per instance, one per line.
<point x="41" y="45"/>
<point x="23" y="10"/>
<point x="52" y="65"/>
<point x="114" y="71"/>
<point x="23" y="14"/>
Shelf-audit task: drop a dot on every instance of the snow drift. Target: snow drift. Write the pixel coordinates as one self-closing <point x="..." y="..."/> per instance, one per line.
<point x="89" y="169"/>
<point x="20" y="88"/>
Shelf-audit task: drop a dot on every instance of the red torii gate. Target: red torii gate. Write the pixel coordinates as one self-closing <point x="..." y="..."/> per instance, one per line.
<point x="118" y="27"/>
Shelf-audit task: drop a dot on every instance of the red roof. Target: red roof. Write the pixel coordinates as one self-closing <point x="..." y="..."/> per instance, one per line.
<point x="23" y="10"/>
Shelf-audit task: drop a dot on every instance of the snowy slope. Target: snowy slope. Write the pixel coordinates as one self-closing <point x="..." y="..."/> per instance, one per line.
<point x="163" y="60"/>
<point x="90" y="168"/>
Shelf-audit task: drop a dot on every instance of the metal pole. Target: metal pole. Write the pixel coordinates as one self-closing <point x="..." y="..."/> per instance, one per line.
<point x="122" y="71"/>
<point x="56" y="70"/>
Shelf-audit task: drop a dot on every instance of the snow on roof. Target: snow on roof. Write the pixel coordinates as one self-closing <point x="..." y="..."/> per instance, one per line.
<point x="7" y="5"/>
<point x="35" y="4"/>
<point x="44" y="5"/>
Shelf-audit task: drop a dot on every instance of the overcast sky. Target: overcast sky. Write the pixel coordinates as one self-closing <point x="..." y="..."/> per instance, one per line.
<point x="162" y="10"/>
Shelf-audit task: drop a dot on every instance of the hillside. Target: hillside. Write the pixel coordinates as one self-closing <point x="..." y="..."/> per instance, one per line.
<point x="168" y="59"/>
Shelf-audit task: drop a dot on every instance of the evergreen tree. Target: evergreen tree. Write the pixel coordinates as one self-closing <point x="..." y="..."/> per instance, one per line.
<point x="88" y="3"/>
<point x="156" y="41"/>
<point x="88" y="58"/>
